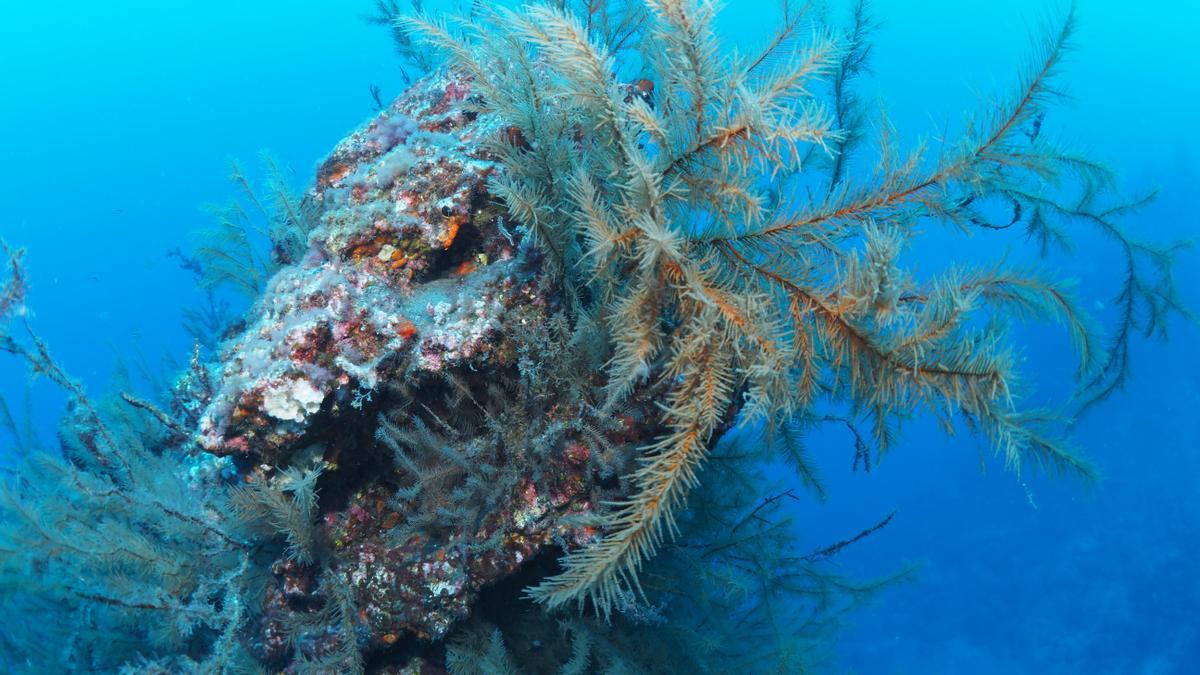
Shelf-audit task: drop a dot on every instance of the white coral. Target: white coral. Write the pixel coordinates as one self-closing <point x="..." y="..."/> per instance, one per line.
<point x="292" y="400"/>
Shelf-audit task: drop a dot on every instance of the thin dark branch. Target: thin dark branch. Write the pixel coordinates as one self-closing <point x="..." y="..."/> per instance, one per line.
<point x="766" y="502"/>
<point x="834" y="549"/>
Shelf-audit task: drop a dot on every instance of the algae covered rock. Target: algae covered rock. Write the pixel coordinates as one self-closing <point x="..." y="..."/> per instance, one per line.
<point x="409" y="355"/>
<point x="408" y="271"/>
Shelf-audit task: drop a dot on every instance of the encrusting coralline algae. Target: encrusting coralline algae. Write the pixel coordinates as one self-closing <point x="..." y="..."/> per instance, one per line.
<point x="409" y="277"/>
<point x="361" y="306"/>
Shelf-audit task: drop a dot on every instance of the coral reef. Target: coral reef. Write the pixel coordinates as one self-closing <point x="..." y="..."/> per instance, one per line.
<point x="385" y="286"/>
<point x="416" y="304"/>
<point x="527" y="341"/>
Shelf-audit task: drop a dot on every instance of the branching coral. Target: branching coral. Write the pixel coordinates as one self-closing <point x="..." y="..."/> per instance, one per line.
<point x="287" y="505"/>
<point x="120" y="551"/>
<point x="229" y="253"/>
<point x="111" y="529"/>
<point x="12" y="298"/>
<point x="655" y="213"/>
<point x="386" y="14"/>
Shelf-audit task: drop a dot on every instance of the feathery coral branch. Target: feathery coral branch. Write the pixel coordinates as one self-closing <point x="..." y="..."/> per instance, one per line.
<point x="750" y="318"/>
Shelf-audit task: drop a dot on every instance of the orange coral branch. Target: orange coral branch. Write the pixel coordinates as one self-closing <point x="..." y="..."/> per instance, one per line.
<point x="845" y="327"/>
<point x="877" y="200"/>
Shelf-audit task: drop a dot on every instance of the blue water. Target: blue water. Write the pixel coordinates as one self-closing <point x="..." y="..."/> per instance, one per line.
<point x="118" y="120"/>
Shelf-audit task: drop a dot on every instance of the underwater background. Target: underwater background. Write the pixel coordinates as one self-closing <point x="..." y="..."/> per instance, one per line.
<point x="119" y="119"/>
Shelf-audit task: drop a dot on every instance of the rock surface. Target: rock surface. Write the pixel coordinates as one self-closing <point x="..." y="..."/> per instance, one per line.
<point x="405" y="351"/>
<point x="408" y="271"/>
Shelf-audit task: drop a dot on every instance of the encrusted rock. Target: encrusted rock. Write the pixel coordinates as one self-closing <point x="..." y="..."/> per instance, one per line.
<point x="418" y="319"/>
<point x="409" y="270"/>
